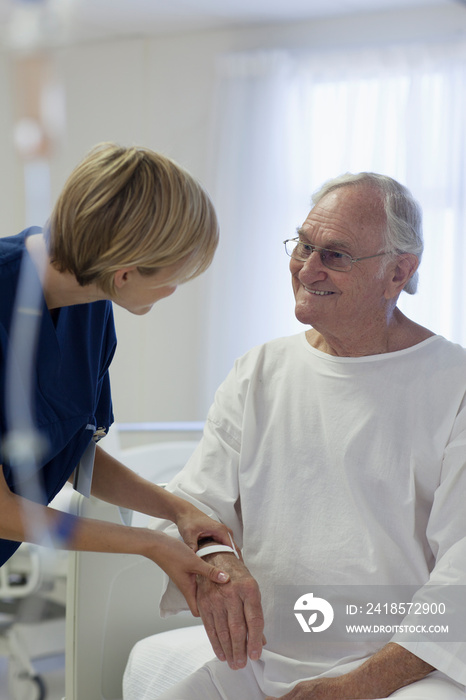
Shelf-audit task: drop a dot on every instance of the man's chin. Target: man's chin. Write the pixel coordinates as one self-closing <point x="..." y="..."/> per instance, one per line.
<point x="304" y="315"/>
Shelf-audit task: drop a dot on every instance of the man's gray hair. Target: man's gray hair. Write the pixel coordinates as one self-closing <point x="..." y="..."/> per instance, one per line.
<point x="403" y="233"/>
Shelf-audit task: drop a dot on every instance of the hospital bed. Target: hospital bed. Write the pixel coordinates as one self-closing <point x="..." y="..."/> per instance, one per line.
<point x="112" y="599"/>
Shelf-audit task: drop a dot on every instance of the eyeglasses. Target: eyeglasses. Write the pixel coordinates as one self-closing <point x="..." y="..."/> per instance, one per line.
<point x="332" y="259"/>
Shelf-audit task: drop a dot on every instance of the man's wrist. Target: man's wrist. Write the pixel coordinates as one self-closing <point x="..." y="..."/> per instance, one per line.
<point x="215" y="548"/>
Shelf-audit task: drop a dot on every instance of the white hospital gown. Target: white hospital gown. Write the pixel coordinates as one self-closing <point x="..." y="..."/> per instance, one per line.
<point x="336" y="471"/>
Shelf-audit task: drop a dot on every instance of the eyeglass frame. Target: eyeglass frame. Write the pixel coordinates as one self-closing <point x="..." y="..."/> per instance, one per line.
<point x="319" y="249"/>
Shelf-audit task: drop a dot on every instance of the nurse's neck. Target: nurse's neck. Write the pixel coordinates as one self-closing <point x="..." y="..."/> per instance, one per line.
<point x="59" y="288"/>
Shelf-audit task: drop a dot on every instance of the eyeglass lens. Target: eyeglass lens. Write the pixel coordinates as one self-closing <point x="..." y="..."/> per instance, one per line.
<point x="332" y="259"/>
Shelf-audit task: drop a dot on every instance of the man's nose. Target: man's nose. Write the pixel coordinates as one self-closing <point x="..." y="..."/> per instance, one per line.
<point x="313" y="266"/>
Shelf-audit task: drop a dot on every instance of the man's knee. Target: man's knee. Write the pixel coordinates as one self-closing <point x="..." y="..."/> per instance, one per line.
<point x="435" y="686"/>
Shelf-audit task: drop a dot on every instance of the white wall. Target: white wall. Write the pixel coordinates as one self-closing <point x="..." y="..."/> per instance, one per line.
<point x="159" y="92"/>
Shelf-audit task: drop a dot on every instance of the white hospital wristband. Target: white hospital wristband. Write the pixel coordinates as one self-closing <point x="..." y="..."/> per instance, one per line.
<point x="214" y="548"/>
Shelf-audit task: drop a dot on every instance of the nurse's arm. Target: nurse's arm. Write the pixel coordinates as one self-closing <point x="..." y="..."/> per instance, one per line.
<point x="22" y="520"/>
<point x="117" y="484"/>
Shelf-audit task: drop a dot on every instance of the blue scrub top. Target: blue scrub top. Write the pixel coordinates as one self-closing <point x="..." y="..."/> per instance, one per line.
<point x="72" y="390"/>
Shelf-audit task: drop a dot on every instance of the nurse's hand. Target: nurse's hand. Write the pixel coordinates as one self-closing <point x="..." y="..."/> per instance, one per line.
<point x="232" y="614"/>
<point x="184" y="567"/>
<point x="194" y="525"/>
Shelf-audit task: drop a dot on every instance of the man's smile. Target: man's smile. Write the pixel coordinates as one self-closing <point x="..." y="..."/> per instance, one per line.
<point x="316" y="291"/>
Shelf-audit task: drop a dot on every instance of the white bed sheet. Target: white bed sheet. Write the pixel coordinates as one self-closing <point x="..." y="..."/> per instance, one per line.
<point x="158" y="662"/>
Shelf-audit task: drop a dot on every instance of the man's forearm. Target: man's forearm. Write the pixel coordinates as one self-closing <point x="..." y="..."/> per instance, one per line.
<point x="387" y="670"/>
<point x="390" y="668"/>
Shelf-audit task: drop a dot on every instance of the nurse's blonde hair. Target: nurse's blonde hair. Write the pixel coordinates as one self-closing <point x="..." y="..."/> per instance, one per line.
<point x="124" y="207"/>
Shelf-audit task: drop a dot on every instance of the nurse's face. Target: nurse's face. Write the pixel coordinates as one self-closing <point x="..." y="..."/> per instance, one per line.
<point x="138" y="293"/>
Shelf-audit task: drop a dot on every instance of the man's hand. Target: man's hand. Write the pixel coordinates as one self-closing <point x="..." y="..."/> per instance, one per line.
<point x="184" y="567"/>
<point x="232" y="612"/>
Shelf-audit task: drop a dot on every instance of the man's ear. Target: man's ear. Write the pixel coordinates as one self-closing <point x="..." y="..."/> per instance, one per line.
<point x="406" y="265"/>
<point x="122" y="276"/>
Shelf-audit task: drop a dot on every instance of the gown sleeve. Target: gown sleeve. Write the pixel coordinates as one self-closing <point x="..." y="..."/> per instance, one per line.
<point x="446" y="588"/>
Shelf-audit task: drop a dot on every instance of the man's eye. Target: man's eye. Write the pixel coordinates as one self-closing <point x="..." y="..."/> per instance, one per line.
<point x="335" y="255"/>
<point x="305" y="248"/>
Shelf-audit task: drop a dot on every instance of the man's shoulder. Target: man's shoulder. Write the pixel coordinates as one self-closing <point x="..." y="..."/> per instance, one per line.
<point x="271" y="351"/>
<point x="439" y="362"/>
<point x="443" y="348"/>
<point x="276" y="345"/>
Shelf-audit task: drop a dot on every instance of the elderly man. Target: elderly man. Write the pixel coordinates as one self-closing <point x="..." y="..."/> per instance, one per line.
<point x="337" y="457"/>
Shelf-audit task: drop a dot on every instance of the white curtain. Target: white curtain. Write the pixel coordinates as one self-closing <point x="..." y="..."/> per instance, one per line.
<point x="287" y="122"/>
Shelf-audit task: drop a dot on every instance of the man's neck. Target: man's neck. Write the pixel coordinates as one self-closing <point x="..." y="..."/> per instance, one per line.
<point x="398" y="333"/>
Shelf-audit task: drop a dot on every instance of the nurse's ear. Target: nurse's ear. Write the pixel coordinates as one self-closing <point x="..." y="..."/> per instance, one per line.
<point x="123" y="276"/>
